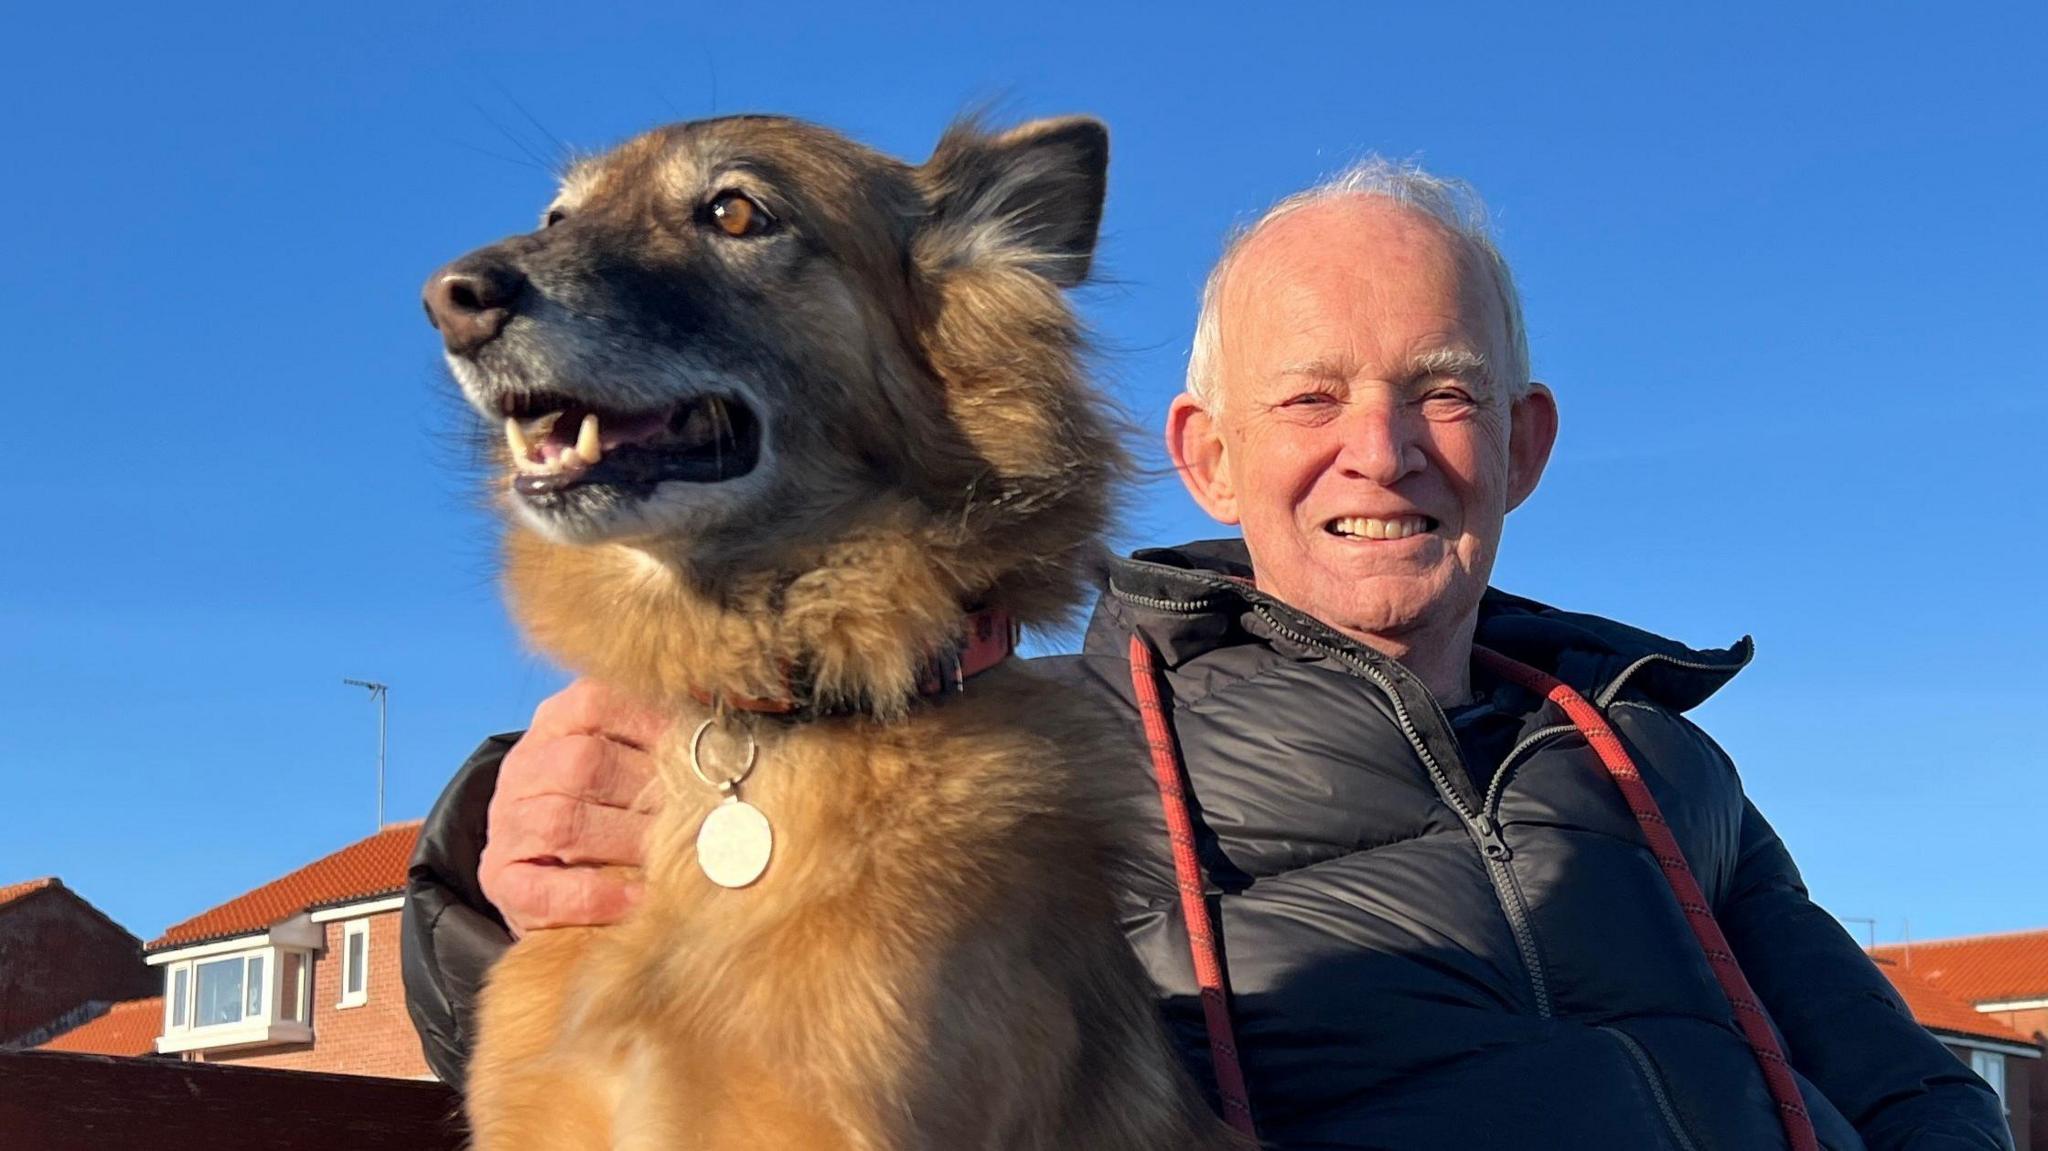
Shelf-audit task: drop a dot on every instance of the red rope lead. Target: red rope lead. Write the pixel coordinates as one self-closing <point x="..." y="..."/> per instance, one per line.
<point x="1187" y="871"/>
<point x="1749" y="1014"/>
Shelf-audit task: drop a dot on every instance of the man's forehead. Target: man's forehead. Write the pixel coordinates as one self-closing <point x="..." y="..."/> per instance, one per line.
<point x="1349" y="241"/>
<point x="1353" y="269"/>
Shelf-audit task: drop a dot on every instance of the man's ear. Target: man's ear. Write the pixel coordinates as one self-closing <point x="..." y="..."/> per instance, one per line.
<point x="1031" y="196"/>
<point x="1195" y="441"/>
<point x="1532" y="432"/>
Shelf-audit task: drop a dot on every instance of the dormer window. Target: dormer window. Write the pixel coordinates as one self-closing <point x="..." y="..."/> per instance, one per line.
<point x="244" y="992"/>
<point x="234" y="998"/>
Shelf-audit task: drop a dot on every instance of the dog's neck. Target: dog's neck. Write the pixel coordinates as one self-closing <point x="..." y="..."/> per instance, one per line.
<point x="861" y="622"/>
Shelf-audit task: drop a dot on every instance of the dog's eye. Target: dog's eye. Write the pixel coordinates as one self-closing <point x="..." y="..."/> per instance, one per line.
<point x="554" y="216"/>
<point x="736" y="215"/>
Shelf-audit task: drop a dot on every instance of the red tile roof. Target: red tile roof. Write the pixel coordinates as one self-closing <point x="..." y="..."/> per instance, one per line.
<point x="14" y="891"/>
<point x="1979" y="968"/>
<point x="128" y="1028"/>
<point x="362" y="870"/>
<point x="1937" y="1011"/>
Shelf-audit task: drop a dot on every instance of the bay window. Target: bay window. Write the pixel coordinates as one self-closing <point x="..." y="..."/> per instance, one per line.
<point x="235" y="998"/>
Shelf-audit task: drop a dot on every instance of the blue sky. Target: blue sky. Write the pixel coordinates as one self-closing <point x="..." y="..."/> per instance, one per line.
<point x="1785" y="271"/>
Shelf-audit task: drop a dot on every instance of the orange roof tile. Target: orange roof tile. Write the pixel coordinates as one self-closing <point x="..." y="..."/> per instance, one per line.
<point x="362" y="870"/>
<point x="128" y="1028"/>
<point x="1939" y="1012"/>
<point x="1979" y="968"/>
<point x="14" y="891"/>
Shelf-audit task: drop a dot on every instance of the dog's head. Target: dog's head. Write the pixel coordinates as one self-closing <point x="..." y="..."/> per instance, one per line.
<point x="733" y="345"/>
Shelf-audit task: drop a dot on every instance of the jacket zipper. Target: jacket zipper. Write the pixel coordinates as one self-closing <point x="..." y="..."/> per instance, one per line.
<point x="1506" y="888"/>
<point x="1167" y="606"/>
<point x="1607" y="694"/>
<point x="1606" y="697"/>
<point x="1491" y="806"/>
<point x="1655" y="1082"/>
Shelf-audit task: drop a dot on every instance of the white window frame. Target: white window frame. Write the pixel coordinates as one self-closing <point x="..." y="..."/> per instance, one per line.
<point x="183" y="1032"/>
<point x="361" y="995"/>
<point x="1990" y="1067"/>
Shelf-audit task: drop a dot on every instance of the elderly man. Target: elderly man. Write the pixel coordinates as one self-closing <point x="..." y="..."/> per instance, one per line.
<point x="1452" y="901"/>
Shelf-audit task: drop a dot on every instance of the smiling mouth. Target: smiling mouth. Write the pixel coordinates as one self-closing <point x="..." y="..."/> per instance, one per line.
<point x="1373" y="528"/>
<point x="558" y="443"/>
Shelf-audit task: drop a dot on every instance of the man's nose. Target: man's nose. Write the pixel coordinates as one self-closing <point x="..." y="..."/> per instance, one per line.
<point x="471" y="301"/>
<point x="1379" y="443"/>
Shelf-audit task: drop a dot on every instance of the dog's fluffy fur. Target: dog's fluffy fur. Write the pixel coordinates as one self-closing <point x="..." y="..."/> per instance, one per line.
<point x="931" y="959"/>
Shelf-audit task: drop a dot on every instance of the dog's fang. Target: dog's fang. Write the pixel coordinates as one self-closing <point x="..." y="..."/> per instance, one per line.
<point x="515" y="439"/>
<point x="587" y="443"/>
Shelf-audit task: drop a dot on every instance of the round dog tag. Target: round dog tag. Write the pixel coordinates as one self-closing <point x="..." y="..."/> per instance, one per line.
<point x="734" y="843"/>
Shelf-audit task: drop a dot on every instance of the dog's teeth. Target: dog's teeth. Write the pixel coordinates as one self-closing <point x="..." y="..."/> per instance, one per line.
<point x="587" y="443"/>
<point x="515" y="440"/>
<point x="697" y="426"/>
<point x="569" y="458"/>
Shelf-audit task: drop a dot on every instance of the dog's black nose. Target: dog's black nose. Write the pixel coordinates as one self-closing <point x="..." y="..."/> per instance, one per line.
<point x="471" y="300"/>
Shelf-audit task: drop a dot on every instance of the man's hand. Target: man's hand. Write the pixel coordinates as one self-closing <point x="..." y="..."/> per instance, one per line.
<point x="568" y="822"/>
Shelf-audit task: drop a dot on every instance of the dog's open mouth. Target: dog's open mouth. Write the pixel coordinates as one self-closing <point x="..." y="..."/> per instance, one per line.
<point x="557" y="443"/>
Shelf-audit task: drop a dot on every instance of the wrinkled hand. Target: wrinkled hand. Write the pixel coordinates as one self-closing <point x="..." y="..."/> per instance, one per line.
<point x="569" y="820"/>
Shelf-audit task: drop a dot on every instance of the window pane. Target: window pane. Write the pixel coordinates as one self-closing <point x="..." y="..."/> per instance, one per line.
<point x="358" y="942"/>
<point x="180" y="983"/>
<point x="220" y="993"/>
<point x="290" y="993"/>
<point x="255" y="1001"/>
<point x="1990" y="1066"/>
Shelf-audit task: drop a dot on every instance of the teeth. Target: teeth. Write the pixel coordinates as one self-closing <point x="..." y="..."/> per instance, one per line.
<point x="587" y="449"/>
<point x="698" y="427"/>
<point x="1398" y="528"/>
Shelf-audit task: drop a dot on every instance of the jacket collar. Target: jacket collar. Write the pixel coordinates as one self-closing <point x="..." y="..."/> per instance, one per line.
<point x="1195" y="598"/>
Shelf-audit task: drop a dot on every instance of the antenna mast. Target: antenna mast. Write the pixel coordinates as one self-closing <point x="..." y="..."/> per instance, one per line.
<point x="378" y="692"/>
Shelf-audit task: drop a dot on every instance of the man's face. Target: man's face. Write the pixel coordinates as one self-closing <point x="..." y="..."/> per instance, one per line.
<point x="1360" y="436"/>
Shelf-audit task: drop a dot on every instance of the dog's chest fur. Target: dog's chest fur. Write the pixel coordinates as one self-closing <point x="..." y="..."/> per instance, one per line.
<point x="913" y="862"/>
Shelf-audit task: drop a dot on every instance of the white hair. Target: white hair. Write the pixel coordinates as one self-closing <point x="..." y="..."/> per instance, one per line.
<point x="1451" y="203"/>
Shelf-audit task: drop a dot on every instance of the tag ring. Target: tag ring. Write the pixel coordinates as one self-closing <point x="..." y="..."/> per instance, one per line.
<point x="697" y="763"/>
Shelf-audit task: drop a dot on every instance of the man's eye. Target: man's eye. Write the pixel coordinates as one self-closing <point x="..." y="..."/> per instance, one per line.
<point x="1307" y="399"/>
<point x="736" y="215"/>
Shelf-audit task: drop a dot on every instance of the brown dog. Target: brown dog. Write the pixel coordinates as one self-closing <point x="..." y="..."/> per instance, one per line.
<point x="784" y="418"/>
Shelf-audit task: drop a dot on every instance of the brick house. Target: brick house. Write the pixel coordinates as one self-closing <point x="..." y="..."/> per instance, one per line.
<point x="300" y="973"/>
<point x="2001" y="980"/>
<point x="62" y="962"/>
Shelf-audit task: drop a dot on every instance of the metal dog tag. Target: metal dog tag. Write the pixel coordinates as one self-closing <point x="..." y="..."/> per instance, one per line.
<point x="734" y="843"/>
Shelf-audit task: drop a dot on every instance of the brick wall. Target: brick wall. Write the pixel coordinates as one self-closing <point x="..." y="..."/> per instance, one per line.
<point x="376" y="1038"/>
<point x="57" y="953"/>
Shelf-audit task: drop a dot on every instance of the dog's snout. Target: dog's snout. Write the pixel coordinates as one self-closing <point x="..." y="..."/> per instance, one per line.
<point x="471" y="300"/>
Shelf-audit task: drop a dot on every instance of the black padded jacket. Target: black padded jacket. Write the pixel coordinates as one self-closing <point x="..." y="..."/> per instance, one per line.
<point x="1413" y="965"/>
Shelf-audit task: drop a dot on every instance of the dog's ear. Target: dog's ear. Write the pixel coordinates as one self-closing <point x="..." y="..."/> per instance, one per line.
<point x="1031" y="196"/>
